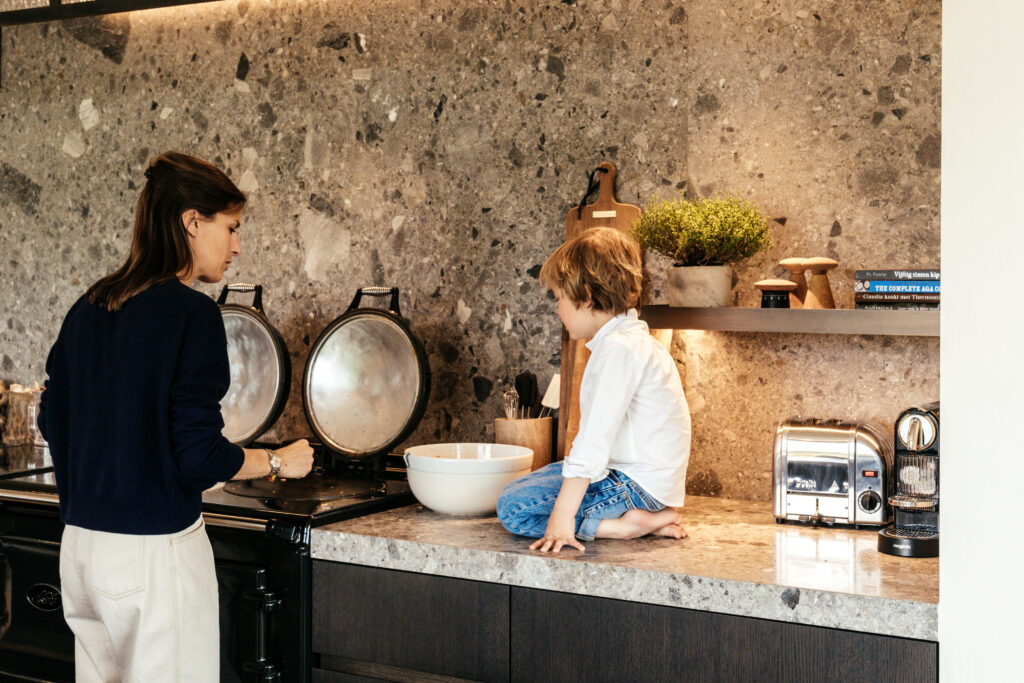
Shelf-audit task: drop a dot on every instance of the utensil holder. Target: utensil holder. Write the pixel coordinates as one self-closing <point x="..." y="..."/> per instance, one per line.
<point x="536" y="433"/>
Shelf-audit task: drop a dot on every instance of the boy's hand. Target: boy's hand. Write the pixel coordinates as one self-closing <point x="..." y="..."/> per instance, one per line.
<point x="559" y="533"/>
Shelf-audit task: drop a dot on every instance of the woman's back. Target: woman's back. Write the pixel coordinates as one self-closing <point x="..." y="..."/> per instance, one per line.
<point x="131" y="411"/>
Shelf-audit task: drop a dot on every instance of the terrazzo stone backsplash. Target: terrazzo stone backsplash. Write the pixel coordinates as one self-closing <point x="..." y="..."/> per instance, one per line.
<point x="437" y="146"/>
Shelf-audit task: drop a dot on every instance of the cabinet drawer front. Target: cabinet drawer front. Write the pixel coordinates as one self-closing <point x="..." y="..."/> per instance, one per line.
<point x="431" y="624"/>
<point x="657" y="643"/>
<point x="325" y="676"/>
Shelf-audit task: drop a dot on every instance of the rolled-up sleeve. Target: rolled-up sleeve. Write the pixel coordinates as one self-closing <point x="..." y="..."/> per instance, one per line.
<point x="202" y="378"/>
<point x="609" y="383"/>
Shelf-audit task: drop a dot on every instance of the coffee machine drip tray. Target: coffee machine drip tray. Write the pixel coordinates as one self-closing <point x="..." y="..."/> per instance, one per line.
<point x="913" y="502"/>
<point x="919" y="540"/>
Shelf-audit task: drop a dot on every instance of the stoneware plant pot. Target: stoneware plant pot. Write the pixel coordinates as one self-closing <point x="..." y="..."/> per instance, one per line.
<point x="699" y="286"/>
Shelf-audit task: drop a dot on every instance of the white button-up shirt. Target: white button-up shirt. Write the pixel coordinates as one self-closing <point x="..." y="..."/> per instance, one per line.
<point x="633" y="413"/>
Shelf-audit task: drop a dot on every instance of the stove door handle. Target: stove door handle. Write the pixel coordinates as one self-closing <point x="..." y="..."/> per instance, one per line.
<point x="217" y="519"/>
<point x="266" y="600"/>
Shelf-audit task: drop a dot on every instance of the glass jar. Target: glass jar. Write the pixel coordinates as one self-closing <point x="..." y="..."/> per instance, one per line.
<point x="19" y="428"/>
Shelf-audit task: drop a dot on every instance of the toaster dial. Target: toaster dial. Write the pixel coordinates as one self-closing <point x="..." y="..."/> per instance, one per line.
<point x="869" y="501"/>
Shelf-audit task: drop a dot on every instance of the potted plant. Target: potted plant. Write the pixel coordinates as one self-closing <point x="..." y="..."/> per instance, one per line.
<point x="703" y="238"/>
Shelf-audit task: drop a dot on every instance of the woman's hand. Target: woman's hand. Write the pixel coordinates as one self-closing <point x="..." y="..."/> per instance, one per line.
<point x="560" y="532"/>
<point x="296" y="459"/>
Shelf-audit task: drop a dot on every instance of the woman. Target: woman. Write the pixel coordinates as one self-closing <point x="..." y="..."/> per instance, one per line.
<point x="132" y="416"/>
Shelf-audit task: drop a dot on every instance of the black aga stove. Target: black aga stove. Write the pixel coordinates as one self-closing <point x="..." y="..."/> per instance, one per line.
<point x="260" y="538"/>
<point x="364" y="390"/>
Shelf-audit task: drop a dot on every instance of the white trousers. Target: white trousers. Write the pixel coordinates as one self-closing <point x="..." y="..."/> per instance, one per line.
<point x="142" y="608"/>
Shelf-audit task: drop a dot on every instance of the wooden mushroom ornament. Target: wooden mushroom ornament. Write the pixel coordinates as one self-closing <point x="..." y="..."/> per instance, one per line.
<point x="775" y="293"/>
<point x="796" y="268"/>
<point x="819" y="292"/>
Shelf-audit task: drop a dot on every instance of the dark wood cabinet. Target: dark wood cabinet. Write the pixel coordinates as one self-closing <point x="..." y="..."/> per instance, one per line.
<point x="371" y="624"/>
<point x="325" y="676"/>
<point x="565" y="637"/>
<point x="393" y="625"/>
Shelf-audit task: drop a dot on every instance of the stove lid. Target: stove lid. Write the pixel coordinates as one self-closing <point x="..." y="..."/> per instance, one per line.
<point x="366" y="380"/>
<point x="260" y="368"/>
<point x="365" y="497"/>
<point x="315" y="487"/>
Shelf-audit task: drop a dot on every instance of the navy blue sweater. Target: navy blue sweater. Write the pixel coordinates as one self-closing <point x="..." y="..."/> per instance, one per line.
<point x="131" y="411"/>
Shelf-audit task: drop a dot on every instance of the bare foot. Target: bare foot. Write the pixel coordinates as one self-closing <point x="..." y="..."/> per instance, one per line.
<point x="637" y="523"/>
<point x="673" y="530"/>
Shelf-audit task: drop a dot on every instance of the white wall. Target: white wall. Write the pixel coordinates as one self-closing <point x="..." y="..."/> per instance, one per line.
<point x="982" y="359"/>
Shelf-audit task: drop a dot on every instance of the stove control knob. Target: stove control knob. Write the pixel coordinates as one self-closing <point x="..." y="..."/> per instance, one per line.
<point x="869" y="501"/>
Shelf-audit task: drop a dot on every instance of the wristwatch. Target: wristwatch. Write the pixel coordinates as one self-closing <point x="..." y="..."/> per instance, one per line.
<point x="275" y="462"/>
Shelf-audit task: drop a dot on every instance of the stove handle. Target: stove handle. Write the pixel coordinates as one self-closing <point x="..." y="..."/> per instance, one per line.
<point x="257" y="299"/>
<point x="296" y="534"/>
<point x="217" y="519"/>
<point x="29" y="496"/>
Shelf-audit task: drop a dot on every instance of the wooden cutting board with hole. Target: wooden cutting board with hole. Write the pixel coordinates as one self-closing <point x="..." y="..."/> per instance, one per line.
<point x="605" y="212"/>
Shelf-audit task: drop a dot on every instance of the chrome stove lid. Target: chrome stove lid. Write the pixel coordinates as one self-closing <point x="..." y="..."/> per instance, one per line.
<point x="260" y="369"/>
<point x="366" y="379"/>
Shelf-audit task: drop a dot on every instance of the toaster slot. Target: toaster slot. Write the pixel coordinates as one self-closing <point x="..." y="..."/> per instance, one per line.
<point x="818" y="507"/>
<point x="818" y="475"/>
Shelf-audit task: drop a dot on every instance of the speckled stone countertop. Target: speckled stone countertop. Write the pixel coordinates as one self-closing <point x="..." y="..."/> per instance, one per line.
<point x="737" y="560"/>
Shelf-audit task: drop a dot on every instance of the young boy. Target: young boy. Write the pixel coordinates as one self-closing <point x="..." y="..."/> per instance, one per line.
<point x="626" y="469"/>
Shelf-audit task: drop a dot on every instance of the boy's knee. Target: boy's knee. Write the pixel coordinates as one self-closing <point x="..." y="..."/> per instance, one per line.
<point x="506" y="508"/>
<point x="509" y="507"/>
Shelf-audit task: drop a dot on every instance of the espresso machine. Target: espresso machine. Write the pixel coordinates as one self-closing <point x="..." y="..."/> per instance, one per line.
<point x="915" y="499"/>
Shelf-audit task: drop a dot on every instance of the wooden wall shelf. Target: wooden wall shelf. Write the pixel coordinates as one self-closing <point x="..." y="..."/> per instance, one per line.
<point x="797" y="321"/>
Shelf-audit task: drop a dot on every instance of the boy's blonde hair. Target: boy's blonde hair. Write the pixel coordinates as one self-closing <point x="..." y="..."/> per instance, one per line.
<point x="603" y="265"/>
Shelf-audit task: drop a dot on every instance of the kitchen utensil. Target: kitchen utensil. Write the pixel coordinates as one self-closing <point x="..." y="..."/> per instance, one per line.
<point x="511" y="401"/>
<point x="464" y="479"/>
<point x="775" y="293"/>
<point x="534" y="395"/>
<point x="796" y="268"/>
<point x="366" y="382"/>
<point x="819" y="292"/>
<point x="526" y="387"/>
<point x="533" y="433"/>
<point x="550" y="400"/>
<point x="915" y="529"/>
<point x="831" y="471"/>
<point x="260" y="367"/>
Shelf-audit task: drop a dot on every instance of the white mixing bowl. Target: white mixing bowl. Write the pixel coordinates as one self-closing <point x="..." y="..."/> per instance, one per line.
<point x="464" y="479"/>
<point x="465" y="458"/>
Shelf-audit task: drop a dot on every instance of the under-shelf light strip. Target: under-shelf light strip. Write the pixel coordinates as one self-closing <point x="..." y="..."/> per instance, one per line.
<point x="13" y="5"/>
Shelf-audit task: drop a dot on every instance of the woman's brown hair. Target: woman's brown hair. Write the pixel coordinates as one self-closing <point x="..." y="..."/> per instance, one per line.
<point x="175" y="183"/>
<point x="603" y="265"/>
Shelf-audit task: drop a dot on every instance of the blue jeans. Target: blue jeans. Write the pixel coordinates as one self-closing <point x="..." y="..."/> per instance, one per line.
<point x="526" y="503"/>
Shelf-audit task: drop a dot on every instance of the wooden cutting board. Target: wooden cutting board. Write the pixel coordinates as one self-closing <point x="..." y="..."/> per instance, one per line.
<point x="608" y="213"/>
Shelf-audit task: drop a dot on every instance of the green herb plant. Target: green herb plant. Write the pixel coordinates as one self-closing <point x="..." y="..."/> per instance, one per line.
<point x="705" y="232"/>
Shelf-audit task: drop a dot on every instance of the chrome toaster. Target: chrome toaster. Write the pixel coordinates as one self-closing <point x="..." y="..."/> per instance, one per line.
<point x="830" y="471"/>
